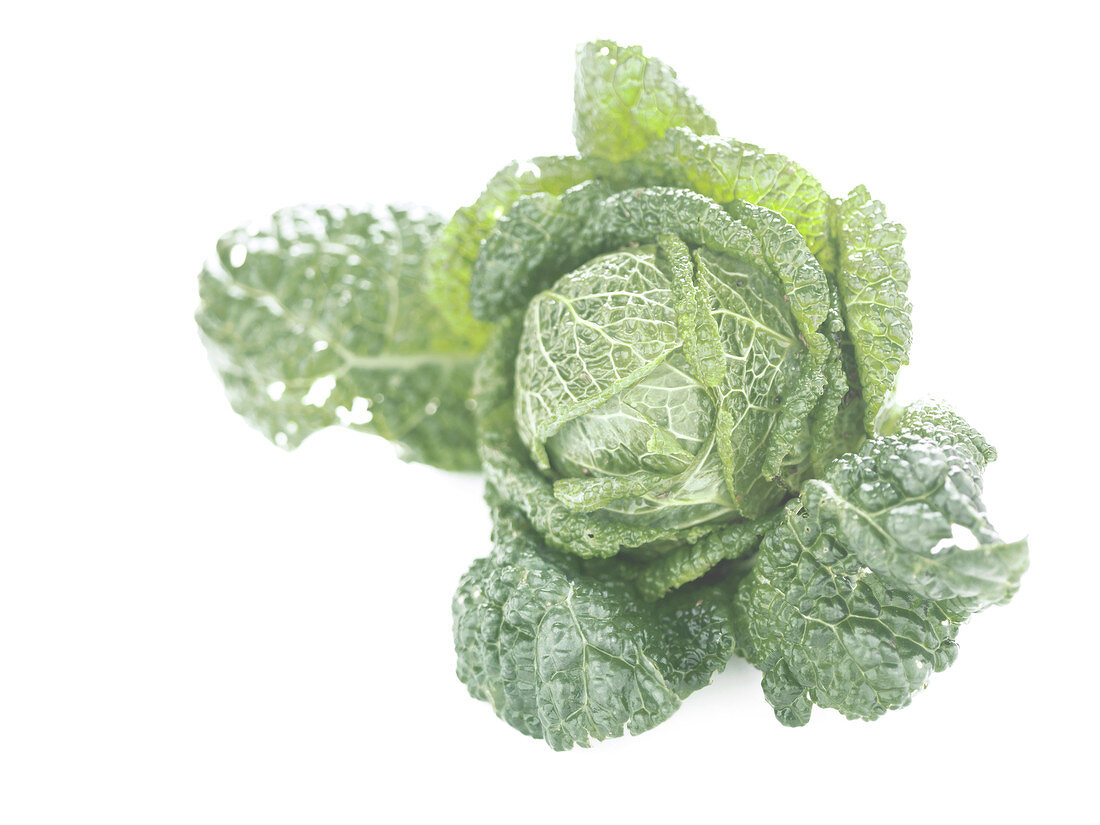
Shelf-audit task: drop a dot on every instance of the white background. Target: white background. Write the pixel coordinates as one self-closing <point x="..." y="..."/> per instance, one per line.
<point x="198" y="627"/>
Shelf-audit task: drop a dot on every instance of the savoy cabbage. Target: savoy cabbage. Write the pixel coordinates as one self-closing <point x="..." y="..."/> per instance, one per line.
<point x="673" y="356"/>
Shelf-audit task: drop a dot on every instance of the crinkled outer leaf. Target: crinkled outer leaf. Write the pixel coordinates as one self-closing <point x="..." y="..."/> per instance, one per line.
<point x="872" y="277"/>
<point x="857" y="597"/>
<point x="689" y="562"/>
<point x="451" y="259"/>
<point x="319" y="318"/>
<point x="726" y="170"/>
<point x="530" y="247"/>
<point x="826" y="630"/>
<point x="624" y="100"/>
<point x="569" y="655"/>
<point x="908" y="507"/>
<point x="545" y="237"/>
<point x="940" y="423"/>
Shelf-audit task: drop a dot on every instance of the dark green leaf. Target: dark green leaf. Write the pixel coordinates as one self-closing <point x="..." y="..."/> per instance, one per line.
<point x="451" y="259"/>
<point x="568" y="655"/>
<point x="908" y="507"/>
<point x="855" y="599"/>
<point x="824" y="628"/>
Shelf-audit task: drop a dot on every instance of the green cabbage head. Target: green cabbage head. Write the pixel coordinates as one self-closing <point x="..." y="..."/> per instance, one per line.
<point x="680" y="328"/>
<point x="671" y="364"/>
<point x="666" y="381"/>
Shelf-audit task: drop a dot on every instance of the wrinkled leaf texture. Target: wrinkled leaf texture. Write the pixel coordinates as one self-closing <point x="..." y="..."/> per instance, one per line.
<point x="319" y="318"/>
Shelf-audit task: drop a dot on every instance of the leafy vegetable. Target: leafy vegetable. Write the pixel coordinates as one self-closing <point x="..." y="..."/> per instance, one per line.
<point x="319" y="318"/>
<point x="856" y="597"/>
<point x="451" y="259"/>
<point x="564" y="653"/>
<point x="872" y="276"/>
<point x="625" y="100"/>
<point x="674" y="357"/>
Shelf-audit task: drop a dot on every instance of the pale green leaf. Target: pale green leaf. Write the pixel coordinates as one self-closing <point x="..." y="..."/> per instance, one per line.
<point x="450" y="261"/>
<point x="872" y="277"/>
<point x="625" y="100"/>
<point x="319" y="318"/>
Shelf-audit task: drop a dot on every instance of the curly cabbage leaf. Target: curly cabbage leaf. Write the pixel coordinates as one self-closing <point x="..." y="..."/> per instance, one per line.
<point x="450" y="260"/>
<point x="529" y="248"/>
<point x="319" y="318"/>
<point x="625" y="100"/>
<point x="725" y="170"/>
<point x="872" y="277"/>
<point x="909" y="505"/>
<point x="570" y="654"/>
<point x="826" y="631"/>
<point x="690" y="562"/>
<point x="856" y="598"/>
